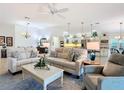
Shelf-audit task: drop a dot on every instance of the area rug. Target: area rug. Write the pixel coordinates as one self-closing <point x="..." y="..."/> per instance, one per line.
<point x="15" y="82"/>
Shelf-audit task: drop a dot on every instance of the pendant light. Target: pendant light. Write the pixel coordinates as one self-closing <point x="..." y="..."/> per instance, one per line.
<point x="120" y="37"/>
<point x="27" y="34"/>
<point x="120" y="31"/>
<point x="68" y="24"/>
<point x="91" y="31"/>
<point x="68" y="28"/>
<point x="83" y="33"/>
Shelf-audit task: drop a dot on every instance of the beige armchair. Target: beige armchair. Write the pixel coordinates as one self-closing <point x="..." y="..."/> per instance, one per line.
<point x="108" y="77"/>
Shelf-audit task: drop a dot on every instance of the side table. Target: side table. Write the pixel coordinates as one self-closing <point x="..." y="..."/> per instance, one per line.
<point x="3" y="53"/>
<point x="84" y="64"/>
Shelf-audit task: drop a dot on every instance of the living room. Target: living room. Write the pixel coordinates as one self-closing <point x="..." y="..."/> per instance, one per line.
<point x="61" y="46"/>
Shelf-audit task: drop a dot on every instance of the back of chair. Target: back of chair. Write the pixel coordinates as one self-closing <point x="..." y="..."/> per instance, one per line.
<point x="114" y="66"/>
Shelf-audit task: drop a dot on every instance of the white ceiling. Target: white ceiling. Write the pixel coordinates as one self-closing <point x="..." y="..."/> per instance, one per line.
<point x="108" y="15"/>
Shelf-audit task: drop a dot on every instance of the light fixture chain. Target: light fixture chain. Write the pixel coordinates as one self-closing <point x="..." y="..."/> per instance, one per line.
<point x="121" y="30"/>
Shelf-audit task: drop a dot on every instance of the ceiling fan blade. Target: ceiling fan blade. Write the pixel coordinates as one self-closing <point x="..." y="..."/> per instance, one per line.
<point x="61" y="16"/>
<point x="50" y="8"/>
<point x="62" y="10"/>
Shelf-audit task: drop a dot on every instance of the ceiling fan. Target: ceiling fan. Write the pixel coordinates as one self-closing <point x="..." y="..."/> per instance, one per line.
<point x="51" y="9"/>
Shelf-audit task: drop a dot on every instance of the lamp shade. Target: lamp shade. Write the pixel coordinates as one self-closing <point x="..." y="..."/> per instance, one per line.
<point x="93" y="45"/>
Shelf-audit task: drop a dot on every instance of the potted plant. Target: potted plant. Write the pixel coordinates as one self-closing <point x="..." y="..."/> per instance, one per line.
<point x="94" y="34"/>
<point x="42" y="63"/>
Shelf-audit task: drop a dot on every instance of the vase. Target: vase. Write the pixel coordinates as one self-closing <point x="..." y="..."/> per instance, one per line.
<point x="92" y="56"/>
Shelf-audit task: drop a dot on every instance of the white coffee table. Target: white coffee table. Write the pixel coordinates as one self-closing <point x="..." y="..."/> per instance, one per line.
<point x="43" y="76"/>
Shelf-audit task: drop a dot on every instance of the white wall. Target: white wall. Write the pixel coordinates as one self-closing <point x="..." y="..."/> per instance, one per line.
<point x="7" y="30"/>
<point x="21" y="41"/>
<point x="49" y="33"/>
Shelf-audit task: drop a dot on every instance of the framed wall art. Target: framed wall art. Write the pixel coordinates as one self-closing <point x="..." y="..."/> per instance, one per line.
<point x="2" y="40"/>
<point x="9" y="41"/>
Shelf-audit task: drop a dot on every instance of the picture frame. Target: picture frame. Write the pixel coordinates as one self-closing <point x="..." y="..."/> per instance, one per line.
<point x="9" y="41"/>
<point x="2" y="40"/>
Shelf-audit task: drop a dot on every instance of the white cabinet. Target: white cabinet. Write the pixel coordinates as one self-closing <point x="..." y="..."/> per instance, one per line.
<point x="104" y="47"/>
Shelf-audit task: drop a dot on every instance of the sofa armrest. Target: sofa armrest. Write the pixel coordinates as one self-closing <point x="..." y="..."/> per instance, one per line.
<point x="96" y="69"/>
<point x="111" y="83"/>
<point x="79" y="68"/>
<point x="12" y="64"/>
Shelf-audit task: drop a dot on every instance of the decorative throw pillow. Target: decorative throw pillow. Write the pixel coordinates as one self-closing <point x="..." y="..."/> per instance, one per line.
<point x="21" y="55"/>
<point x="53" y="54"/>
<point x="70" y="55"/>
<point x="33" y="54"/>
<point x="76" y="56"/>
<point x="28" y="54"/>
<point x="14" y="54"/>
<point x="66" y="50"/>
<point x="62" y="55"/>
<point x="60" y="50"/>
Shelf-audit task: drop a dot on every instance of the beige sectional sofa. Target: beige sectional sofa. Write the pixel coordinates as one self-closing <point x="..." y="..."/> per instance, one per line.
<point x="60" y="58"/>
<point x="20" y="56"/>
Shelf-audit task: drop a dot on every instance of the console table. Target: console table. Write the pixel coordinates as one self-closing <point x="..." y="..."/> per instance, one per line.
<point x="84" y="64"/>
<point x="3" y="53"/>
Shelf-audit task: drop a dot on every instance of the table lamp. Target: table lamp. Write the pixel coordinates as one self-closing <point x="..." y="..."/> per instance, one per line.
<point x="93" y="46"/>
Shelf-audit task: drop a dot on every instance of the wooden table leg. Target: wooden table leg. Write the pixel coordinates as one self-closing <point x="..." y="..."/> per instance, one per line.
<point x="62" y="80"/>
<point x="44" y="86"/>
<point x="23" y="75"/>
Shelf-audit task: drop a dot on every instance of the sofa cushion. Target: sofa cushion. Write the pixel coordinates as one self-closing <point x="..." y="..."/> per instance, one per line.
<point x="78" y="50"/>
<point x="112" y="69"/>
<point x="53" y="54"/>
<point x="30" y="49"/>
<point x="35" y="59"/>
<point x="117" y="59"/>
<point x="92" y="80"/>
<point x="21" y="55"/>
<point x="28" y="54"/>
<point x="66" y="50"/>
<point x="14" y="54"/>
<point x="114" y="66"/>
<point x="62" y="62"/>
<point x="23" y="62"/>
<point x="59" y="50"/>
<point x="33" y="54"/>
<point x="62" y="55"/>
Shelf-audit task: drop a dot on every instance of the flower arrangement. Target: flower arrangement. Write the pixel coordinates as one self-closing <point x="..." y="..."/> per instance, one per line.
<point x="42" y="63"/>
<point x="94" y="34"/>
